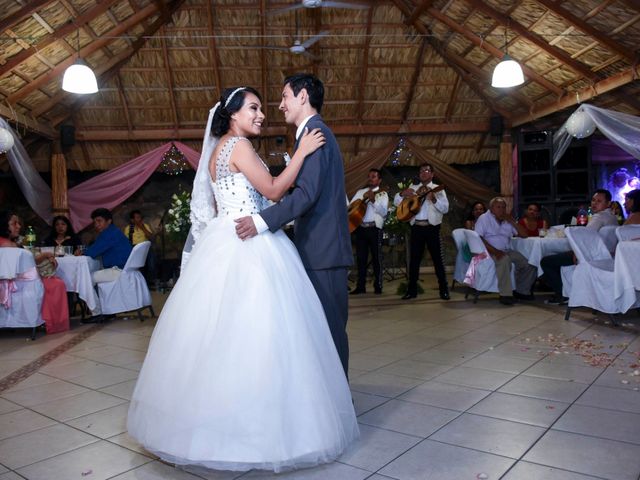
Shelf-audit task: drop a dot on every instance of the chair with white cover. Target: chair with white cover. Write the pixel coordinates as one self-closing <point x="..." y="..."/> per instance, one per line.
<point x="628" y="232"/>
<point x="609" y="237"/>
<point x="129" y="292"/>
<point x="481" y="274"/>
<point x="462" y="264"/>
<point x="21" y="290"/>
<point x="592" y="282"/>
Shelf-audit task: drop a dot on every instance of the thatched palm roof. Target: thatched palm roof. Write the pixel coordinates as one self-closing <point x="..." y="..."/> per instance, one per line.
<point x="419" y="69"/>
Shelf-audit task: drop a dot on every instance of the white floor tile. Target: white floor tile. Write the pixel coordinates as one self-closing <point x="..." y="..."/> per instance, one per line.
<point x="491" y="435"/>
<point x="611" y="398"/>
<point x="22" y="450"/>
<point x="517" y="408"/>
<point x="475" y="377"/>
<point x="431" y="460"/>
<point x="598" y="422"/>
<point x="531" y="471"/>
<point x="545" y="388"/>
<point x="44" y="393"/>
<point x="588" y="455"/>
<point x="98" y="461"/>
<point x="445" y="395"/>
<point x="22" y="421"/>
<point x="408" y="418"/>
<point x="105" y="423"/>
<point x="384" y="385"/>
<point x="77" y="406"/>
<point x="6" y="406"/>
<point x="324" y="472"/>
<point x="376" y="448"/>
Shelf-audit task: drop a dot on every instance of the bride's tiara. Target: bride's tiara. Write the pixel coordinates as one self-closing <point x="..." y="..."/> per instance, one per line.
<point x="230" y="97"/>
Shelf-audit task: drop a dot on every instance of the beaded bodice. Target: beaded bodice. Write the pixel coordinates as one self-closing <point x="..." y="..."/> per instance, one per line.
<point x="235" y="196"/>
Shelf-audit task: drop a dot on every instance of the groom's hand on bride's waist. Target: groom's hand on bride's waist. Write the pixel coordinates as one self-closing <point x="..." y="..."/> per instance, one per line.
<point x="245" y="228"/>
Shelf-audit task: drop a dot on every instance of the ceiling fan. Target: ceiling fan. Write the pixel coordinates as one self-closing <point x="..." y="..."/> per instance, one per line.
<point x="299" y="47"/>
<point x="318" y="4"/>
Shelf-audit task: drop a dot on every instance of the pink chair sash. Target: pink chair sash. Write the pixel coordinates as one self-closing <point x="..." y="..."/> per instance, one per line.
<point x="470" y="276"/>
<point x="8" y="286"/>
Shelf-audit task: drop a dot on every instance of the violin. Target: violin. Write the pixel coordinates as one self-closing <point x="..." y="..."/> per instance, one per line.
<point x="358" y="208"/>
<point x="410" y="206"/>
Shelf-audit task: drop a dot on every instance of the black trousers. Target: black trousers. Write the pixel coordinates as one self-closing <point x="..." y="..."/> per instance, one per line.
<point x="551" y="265"/>
<point x="367" y="240"/>
<point x="422" y="236"/>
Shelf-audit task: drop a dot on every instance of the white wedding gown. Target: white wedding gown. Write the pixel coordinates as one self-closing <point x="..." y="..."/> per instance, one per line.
<point x="241" y="371"/>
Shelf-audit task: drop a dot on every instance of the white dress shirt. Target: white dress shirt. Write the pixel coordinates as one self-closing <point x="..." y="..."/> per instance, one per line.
<point x="376" y="211"/>
<point x="430" y="211"/>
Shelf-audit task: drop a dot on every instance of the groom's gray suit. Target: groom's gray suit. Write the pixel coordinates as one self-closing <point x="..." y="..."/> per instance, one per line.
<point x="318" y="205"/>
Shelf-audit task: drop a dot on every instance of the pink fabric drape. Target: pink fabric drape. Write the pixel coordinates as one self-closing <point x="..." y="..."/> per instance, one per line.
<point x="355" y="174"/>
<point x="113" y="187"/>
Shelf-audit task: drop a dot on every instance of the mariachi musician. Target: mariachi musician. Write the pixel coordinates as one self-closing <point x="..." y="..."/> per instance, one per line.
<point x="368" y="235"/>
<point x="425" y="230"/>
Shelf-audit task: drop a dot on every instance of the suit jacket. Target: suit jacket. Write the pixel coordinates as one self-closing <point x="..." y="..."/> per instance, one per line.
<point x="317" y="203"/>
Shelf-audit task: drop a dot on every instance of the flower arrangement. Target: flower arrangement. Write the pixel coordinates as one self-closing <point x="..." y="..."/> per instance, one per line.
<point x="178" y="223"/>
<point x="391" y="224"/>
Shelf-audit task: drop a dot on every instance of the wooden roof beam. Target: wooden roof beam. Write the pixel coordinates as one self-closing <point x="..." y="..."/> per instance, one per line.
<point x="123" y="100"/>
<point x="339" y="130"/>
<point x="29" y="9"/>
<point x="541" y="43"/>
<point x="263" y="56"/>
<point x="452" y="60"/>
<point x="414" y="80"/>
<point x="61" y="32"/>
<point x="365" y="65"/>
<point x="31" y="123"/>
<point x="84" y="52"/>
<point x="213" y="51"/>
<point x="601" y="37"/>
<point x="167" y="72"/>
<point x="415" y="15"/>
<point x="104" y="73"/>
<point x="587" y="93"/>
<point x="497" y="53"/>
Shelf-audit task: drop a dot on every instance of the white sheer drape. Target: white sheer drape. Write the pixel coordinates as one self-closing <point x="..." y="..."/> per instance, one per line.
<point x="33" y="187"/>
<point x="621" y="128"/>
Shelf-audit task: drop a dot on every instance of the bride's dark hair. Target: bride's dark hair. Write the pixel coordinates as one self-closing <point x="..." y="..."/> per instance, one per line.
<point x="229" y="106"/>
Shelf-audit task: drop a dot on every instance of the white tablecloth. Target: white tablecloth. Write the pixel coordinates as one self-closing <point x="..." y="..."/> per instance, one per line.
<point x="626" y="273"/>
<point x="76" y="273"/>
<point x="536" y="248"/>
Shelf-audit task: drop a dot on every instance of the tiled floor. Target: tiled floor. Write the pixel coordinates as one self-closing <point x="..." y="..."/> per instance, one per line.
<point x="443" y="391"/>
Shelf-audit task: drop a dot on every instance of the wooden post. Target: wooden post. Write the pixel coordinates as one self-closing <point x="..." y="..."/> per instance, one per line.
<point x="506" y="170"/>
<point x="59" y="182"/>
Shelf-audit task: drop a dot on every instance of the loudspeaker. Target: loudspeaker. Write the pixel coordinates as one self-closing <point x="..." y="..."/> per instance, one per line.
<point x="67" y="135"/>
<point x="496" y="127"/>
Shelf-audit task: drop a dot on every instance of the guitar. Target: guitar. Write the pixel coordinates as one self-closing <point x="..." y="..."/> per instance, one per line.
<point x="357" y="210"/>
<point x="410" y="206"/>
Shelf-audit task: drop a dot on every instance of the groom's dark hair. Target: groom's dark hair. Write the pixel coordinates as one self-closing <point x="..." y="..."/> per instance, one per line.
<point x="311" y="83"/>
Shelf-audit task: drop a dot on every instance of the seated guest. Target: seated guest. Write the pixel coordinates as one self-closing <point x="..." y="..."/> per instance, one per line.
<point x="477" y="209"/>
<point x="62" y="234"/>
<point x="111" y="245"/>
<point x="496" y="227"/>
<point x="618" y="211"/>
<point x="55" y="310"/>
<point x="551" y="264"/>
<point x="532" y="221"/>
<point x="137" y="232"/>
<point x="632" y="206"/>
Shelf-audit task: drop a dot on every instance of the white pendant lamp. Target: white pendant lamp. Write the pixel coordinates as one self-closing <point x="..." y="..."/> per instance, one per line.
<point x="79" y="78"/>
<point x="508" y="73"/>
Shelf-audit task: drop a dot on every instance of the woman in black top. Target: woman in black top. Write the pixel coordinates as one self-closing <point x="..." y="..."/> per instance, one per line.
<point x="62" y="234"/>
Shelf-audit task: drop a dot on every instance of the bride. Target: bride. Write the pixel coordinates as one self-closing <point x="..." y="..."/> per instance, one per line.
<point x="241" y="371"/>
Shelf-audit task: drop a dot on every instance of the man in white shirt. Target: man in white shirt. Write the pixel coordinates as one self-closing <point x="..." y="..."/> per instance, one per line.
<point x="496" y="227"/>
<point x="552" y="264"/>
<point x="425" y="230"/>
<point x="368" y="235"/>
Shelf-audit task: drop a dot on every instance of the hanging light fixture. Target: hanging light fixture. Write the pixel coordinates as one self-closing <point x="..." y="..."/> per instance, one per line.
<point x="508" y="73"/>
<point x="79" y="78"/>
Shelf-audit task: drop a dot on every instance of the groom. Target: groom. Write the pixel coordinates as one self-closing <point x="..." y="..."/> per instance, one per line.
<point x="318" y="205"/>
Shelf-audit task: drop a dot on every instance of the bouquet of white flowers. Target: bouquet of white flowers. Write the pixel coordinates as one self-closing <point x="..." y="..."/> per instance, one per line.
<point x="391" y="224"/>
<point x="178" y="223"/>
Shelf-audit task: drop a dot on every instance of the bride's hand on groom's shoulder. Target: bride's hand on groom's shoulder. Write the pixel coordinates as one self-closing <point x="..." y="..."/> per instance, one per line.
<point x="311" y="141"/>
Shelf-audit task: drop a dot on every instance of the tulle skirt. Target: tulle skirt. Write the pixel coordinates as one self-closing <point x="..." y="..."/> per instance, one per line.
<point x="241" y="371"/>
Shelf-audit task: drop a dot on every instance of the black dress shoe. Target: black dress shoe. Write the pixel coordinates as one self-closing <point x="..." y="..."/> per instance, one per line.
<point x="408" y="296"/>
<point x="506" y="300"/>
<point x="357" y="291"/>
<point x="378" y="291"/>
<point x="444" y="295"/>
<point x="522" y="296"/>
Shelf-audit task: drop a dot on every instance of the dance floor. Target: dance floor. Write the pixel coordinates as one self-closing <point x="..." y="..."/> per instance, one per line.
<point x="443" y="391"/>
